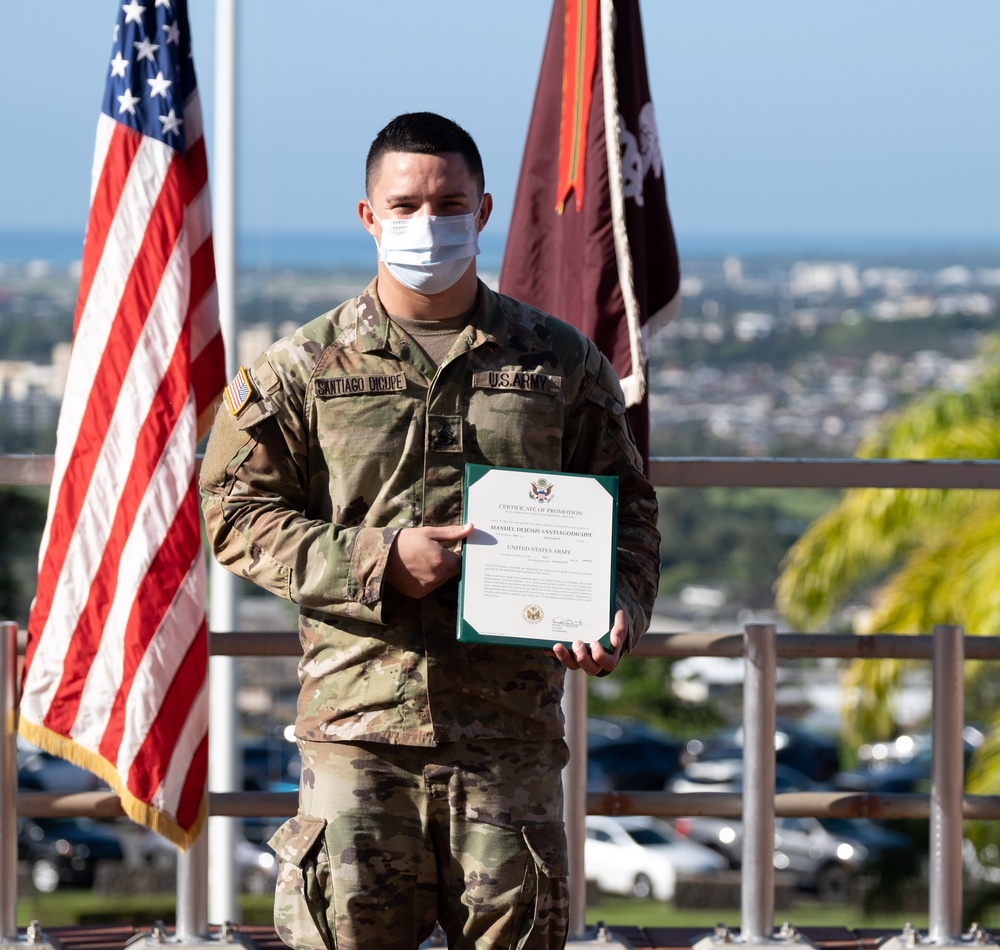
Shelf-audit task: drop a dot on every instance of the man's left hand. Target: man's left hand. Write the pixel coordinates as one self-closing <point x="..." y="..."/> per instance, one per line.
<point x="593" y="659"/>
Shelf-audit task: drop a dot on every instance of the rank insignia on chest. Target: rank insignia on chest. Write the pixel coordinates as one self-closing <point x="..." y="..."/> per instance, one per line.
<point x="239" y="392"/>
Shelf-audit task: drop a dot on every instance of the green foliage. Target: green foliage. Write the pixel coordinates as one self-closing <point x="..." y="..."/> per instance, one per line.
<point x="40" y="440"/>
<point x="735" y="537"/>
<point x="31" y="337"/>
<point x="805" y="913"/>
<point x="937" y="546"/>
<point x="68" y="908"/>
<point x="933" y="554"/>
<point x="21" y="526"/>
<point x="640" y="689"/>
<point x="835" y="340"/>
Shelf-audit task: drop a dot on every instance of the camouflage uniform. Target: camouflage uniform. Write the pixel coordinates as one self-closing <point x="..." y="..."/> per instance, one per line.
<point x="376" y="872"/>
<point x="347" y="434"/>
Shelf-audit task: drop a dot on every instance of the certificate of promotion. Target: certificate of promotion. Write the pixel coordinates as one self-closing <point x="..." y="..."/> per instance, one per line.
<point x="539" y="568"/>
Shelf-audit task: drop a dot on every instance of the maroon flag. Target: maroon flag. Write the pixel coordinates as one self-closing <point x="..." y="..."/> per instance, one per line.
<point x="590" y="237"/>
<point x="116" y="667"/>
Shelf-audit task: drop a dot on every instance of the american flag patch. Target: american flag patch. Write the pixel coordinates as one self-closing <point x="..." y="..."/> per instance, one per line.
<point x="238" y="392"/>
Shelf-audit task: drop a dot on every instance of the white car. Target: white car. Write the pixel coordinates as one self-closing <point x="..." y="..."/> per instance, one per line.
<point x="641" y="857"/>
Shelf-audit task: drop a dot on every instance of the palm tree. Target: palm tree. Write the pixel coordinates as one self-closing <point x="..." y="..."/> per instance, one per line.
<point x="932" y="556"/>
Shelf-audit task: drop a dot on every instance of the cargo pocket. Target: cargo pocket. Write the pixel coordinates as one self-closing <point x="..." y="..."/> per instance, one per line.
<point x="545" y="924"/>
<point x="303" y="892"/>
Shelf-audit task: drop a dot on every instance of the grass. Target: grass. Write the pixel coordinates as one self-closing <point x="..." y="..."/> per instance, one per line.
<point x="77" y="907"/>
<point x="804" y="913"/>
<point x="623" y="911"/>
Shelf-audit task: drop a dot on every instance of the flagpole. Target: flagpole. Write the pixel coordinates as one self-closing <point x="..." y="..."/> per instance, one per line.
<point x="8" y="782"/>
<point x="224" y="770"/>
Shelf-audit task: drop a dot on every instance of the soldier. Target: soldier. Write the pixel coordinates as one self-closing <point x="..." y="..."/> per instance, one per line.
<point x="430" y="787"/>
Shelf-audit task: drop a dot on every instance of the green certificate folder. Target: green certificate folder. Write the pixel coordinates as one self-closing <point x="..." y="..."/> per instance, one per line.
<point x="539" y="568"/>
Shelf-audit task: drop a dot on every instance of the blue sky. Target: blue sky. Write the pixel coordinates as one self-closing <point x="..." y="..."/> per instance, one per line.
<point x="829" y="118"/>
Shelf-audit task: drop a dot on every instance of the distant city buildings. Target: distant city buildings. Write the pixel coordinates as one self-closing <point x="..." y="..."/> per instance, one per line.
<point x="761" y="356"/>
<point x="748" y="362"/>
<point x="31" y="393"/>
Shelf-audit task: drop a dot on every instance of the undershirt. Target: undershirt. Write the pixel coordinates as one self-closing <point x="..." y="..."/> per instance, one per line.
<point x="435" y="337"/>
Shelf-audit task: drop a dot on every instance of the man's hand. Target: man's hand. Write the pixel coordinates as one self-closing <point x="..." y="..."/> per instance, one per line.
<point x="594" y="659"/>
<point x="422" y="559"/>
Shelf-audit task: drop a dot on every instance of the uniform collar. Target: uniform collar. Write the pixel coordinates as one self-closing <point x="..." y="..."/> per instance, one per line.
<point x="372" y="325"/>
<point x="374" y="329"/>
<point x="492" y="325"/>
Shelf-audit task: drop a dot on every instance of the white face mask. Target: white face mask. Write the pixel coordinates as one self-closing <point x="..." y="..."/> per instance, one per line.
<point x="431" y="252"/>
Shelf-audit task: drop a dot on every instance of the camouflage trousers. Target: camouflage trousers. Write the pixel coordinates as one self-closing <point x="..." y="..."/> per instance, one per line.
<point x="391" y="839"/>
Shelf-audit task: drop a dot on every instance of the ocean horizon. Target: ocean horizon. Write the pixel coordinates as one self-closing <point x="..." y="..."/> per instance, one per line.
<point x="355" y="250"/>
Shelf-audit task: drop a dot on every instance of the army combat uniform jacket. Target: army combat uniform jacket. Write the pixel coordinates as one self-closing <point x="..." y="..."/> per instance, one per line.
<point x="345" y="432"/>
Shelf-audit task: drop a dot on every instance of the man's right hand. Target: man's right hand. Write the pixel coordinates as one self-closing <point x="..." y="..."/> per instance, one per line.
<point x="422" y="559"/>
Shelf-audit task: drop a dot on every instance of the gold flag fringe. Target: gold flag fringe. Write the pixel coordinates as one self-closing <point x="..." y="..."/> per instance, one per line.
<point x="140" y="812"/>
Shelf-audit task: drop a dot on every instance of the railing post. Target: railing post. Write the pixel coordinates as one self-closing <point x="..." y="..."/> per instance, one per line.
<point x="757" y="881"/>
<point x="946" y="805"/>
<point x="760" y="680"/>
<point x="947" y="784"/>
<point x="8" y="799"/>
<point x="575" y="797"/>
<point x="192" y="891"/>
<point x="8" y="782"/>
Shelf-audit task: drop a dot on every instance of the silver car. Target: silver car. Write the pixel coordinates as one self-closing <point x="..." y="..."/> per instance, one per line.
<point x="825" y="855"/>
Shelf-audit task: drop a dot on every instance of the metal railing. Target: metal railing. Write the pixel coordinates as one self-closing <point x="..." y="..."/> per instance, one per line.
<point x="761" y="647"/>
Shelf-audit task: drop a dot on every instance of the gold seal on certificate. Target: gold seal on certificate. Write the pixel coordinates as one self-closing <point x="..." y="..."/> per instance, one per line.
<point x="539" y="568"/>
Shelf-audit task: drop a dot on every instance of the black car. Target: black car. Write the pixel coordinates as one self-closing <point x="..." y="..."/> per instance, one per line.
<point x="908" y="775"/>
<point x="271" y="764"/>
<point x="64" y="851"/>
<point x="726" y="775"/>
<point x="623" y="755"/>
<point x="815" y="756"/>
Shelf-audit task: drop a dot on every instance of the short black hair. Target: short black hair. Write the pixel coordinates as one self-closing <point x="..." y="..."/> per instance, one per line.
<point x="429" y="134"/>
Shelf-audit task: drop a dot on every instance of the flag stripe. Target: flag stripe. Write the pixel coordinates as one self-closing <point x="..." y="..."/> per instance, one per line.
<point x="197" y="181"/>
<point x="89" y="438"/>
<point x="147" y="768"/>
<point x="109" y="181"/>
<point x="168" y="574"/>
<point x="82" y="369"/>
<point x="580" y="41"/>
<point x="192" y="750"/>
<point x="129" y="548"/>
<point x="148" y="442"/>
<point x="90" y="342"/>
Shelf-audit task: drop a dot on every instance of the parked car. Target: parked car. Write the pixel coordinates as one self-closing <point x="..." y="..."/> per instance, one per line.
<point x="257" y="866"/>
<point x="896" y="779"/>
<point x="825" y="854"/>
<point x="726" y="775"/>
<point x="626" y="755"/>
<point x="641" y="857"/>
<point x="816" y="756"/>
<point x="40" y="771"/>
<point x="271" y="764"/>
<point x="64" y="851"/>
<point x="899" y="771"/>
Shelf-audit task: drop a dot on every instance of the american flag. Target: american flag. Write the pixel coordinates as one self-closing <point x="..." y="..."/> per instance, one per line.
<point x="115" y="674"/>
